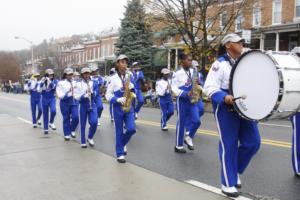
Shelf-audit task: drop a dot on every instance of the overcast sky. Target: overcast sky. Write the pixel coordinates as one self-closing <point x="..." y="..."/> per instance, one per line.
<point x="42" y="19"/>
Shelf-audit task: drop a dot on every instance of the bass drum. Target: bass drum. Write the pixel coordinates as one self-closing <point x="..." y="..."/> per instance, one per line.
<point x="271" y="83"/>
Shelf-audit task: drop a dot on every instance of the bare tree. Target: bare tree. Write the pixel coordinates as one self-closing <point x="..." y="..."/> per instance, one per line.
<point x="9" y="67"/>
<point x="200" y="23"/>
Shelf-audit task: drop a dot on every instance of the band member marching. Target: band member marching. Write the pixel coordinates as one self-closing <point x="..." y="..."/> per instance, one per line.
<point x="239" y="138"/>
<point x="188" y="140"/>
<point x="99" y="82"/>
<point x="139" y="80"/>
<point x="68" y="105"/>
<point x="85" y="92"/>
<point x="35" y="99"/>
<point x="163" y="90"/>
<point x="296" y="144"/>
<point x="48" y="88"/>
<point x="182" y="87"/>
<point x="120" y="93"/>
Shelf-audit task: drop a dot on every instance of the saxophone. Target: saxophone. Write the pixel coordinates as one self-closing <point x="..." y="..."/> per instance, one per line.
<point x="196" y="88"/>
<point x="127" y="94"/>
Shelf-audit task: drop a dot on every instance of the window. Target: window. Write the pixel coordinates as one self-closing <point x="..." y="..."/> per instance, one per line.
<point x="223" y="20"/>
<point x="209" y="23"/>
<point x="195" y="26"/>
<point x="297" y="8"/>
<point x="256" y="16"/>
<point x="238" y="23"/>
<point x="276" y="12"/>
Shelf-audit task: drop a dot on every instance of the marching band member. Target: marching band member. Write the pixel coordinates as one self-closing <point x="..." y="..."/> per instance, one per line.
<point x="163" y="90"/>
<point x="296" y="144"/>
<point x="189" y="137"/>
<point x="99" y="82"/>
<point x="139" y="80"/>
<point x="182" y="88"/>
<point x="35" y="99"/>
<point x="68" y="105"/>
<point x="239" y="138"/>
<point x="85" y="92"/>
<point x="48" y="88"/>
<point x="119" y="93"/>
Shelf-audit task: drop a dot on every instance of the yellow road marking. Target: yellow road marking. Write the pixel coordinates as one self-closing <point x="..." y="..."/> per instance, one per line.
<point x="276" y="143"/>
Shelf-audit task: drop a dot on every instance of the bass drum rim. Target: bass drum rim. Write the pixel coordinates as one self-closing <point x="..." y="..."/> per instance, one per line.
<point x="281" y="85"/>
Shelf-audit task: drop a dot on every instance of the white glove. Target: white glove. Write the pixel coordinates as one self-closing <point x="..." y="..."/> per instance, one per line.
<point x="69" y="94"/>
<point x="131" y="86"/>
<point x="121" y="100"/>
<point x="87" y="95"/>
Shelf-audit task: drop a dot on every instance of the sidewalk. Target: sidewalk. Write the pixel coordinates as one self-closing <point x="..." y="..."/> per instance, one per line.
<point x="36" y="167"/>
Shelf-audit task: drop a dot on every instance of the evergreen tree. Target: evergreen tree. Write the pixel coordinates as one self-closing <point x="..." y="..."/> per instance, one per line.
<point x="135" y="35"/>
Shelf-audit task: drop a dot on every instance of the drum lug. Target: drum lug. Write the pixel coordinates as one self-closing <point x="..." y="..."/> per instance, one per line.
<point x="292" y="91"/>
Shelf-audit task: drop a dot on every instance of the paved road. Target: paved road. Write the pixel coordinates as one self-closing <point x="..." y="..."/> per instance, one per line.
<point x="269" y="174"/>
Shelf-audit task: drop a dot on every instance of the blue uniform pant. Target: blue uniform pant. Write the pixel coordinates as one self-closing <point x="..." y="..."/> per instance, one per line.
<point x="49" y="104"/>
<point x="120" y="118"/>
<point x="90" y="114"/>
<point x="186" y="111"/>
<point x="296" y="142"/>
<point x="189" y="122"/>
<point x="239" y="141"/>
<point x="35" y="103"/>
<point x="167" y="110"/>
<point x="111" y="110"/>
<point x="70" y="117"/>
<point x="99" y="106"/>
<point x="140" y="101"/>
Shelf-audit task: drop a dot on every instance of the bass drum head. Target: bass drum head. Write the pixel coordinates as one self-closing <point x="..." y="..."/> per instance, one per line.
<point x="255" y="75"/>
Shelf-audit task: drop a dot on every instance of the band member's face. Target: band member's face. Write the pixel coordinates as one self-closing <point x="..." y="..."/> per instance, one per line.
<point x="94" y="73"/>
<point x="122" y="65"/>
<point x="235" y="47"/>
<point x="38" y="77"/>
<point x="166" y="76"/>
<point x="51" y="76"/>
<point x="69" y="76"/>
<point x="187" y="62"/>
<point x="86" y="76"/>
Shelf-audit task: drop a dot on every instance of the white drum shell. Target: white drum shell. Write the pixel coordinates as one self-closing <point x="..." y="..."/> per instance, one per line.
<point x="271" y="82"/>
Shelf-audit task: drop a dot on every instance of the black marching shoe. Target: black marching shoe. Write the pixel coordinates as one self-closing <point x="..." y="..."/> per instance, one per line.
<point x="297" y="175"/>
<point x="239" y="183"/>
<point x="181" y="150"/>
<point x="67" y="138"/>
<point x="165" y="128"/>
<point x="39" y="122"/>
<point x="121" y="159"/>
<point x="46" y="132"/>
<point x="73" y="134"/>
<point x="34" y="126"/>
<point x="125" y="150"/>
<point x="189" y="142"/>
<point x="230" y="191"/>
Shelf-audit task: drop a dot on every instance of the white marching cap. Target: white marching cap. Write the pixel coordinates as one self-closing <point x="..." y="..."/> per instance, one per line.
<point x="232" y="37"/>
<point x="85" y="70"/>
<point x="122" y="57"/>
<point x="68" y="71"/>
<point x="49" y="71"/>
<point x="165" y="71"/>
